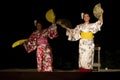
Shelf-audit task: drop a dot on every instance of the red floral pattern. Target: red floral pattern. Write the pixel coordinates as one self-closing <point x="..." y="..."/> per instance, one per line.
<point x="39" y="40"/>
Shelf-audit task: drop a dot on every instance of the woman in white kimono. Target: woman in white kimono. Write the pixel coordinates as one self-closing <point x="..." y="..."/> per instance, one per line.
<point x="85" y="34"/>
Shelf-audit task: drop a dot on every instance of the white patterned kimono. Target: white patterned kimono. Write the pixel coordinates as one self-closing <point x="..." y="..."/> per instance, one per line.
<point x="86" y="45"/>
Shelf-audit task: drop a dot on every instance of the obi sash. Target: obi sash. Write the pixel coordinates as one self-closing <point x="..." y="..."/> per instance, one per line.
<point x="87" y="35"/>
<point x="42" y="41"/>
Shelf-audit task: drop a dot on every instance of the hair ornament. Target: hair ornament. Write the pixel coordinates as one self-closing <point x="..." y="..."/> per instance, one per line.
<point x="82" y="15"/>
<point x="35" y="22"/>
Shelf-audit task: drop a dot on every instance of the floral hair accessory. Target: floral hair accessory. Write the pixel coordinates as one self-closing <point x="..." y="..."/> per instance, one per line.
<point x="35" y="22"/>
<point x="82" y="15"/>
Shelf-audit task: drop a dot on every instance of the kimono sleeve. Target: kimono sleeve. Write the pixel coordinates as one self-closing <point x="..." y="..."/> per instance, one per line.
<point x="96" y="26"/>
<point x="52" y="31"/>
<point x="74" y="34"/>
<point x="30" y="44"/>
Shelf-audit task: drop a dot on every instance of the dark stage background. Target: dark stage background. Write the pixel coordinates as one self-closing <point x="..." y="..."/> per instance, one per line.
<point x="17" y="23"/>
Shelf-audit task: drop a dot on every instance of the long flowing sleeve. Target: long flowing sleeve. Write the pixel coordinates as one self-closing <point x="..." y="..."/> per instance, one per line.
<point x="95" y="27"/>
<point x="30" y="44"/>
<point x="74" y="34"/>
<point x="52" y="31"/>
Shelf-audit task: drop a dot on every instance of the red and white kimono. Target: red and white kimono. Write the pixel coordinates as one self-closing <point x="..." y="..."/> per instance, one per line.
<point x="39" y="40"/>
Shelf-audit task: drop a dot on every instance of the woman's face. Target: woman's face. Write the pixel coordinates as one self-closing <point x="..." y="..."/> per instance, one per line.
<point x="86" y="17"/>
<point x="39" y="26"/>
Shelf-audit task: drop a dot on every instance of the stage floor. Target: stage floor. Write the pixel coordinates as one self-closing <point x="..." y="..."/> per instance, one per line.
<point x="32" y="74"/>
<point x="55" y="70"/>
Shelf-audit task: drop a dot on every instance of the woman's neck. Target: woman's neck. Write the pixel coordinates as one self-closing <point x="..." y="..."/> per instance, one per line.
<point x="86" y="22"/>
<point x="39" y="30"/>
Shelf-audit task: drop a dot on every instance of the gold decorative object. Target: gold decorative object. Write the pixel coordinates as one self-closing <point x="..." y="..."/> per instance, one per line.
<point x="97" y="10"/>
<point x="18" y="42"/>
<point x="50" y="16"/>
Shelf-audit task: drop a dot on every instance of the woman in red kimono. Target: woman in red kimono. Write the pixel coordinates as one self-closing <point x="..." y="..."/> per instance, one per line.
<point x="38" y="41"/>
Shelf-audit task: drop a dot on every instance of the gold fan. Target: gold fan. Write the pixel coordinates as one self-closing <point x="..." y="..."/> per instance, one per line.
<point x="97" y="10"/>
<point x="50" y="16"/>
<point x="18" y="42"/>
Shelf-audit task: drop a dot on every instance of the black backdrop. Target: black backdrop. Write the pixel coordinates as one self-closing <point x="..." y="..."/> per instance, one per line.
<point x="17" y="23"/>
